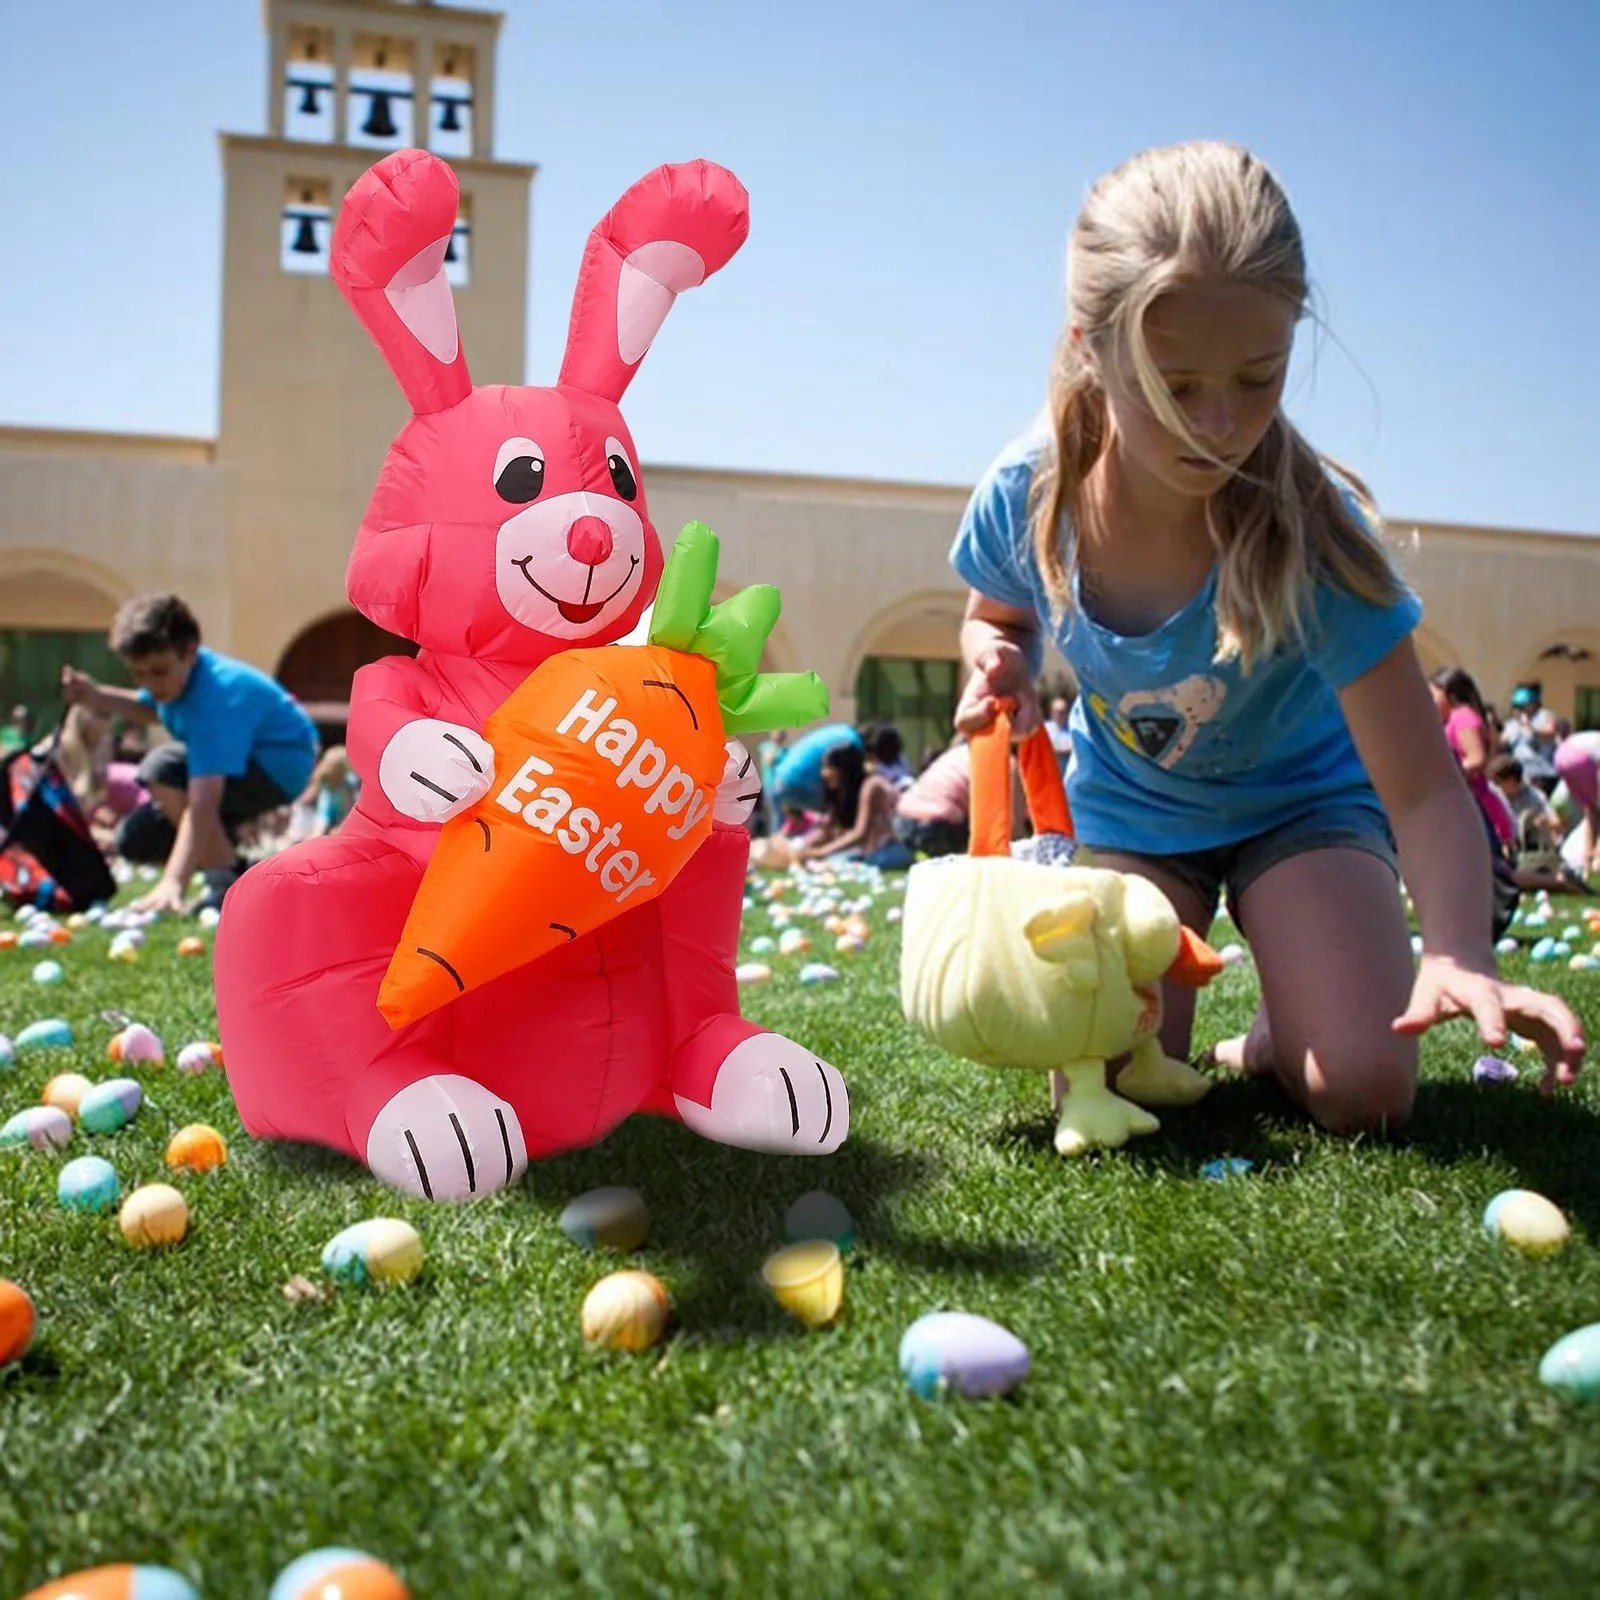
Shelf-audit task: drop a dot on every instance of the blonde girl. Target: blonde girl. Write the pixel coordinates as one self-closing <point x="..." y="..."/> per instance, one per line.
<point x="1252" y="717"/>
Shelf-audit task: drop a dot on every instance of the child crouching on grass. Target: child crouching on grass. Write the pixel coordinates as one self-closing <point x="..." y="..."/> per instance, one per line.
<point x="1252" y="718"/>
<point x="247" y="747"/>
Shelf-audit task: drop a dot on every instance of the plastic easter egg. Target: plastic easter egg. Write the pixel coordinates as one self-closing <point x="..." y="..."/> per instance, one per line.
<point x="818" y="1215"/>
<point x="1226" y="1167"/>
<point x="199" y="1056"/>
<point x="625" y="1311"/>
<point x="1572" y="1363"/>
<point x="1507" y="947"/>
<point x="338" y="1575"/>
<point x="65" y="1092"/>
<point x="42" y="1127"/>
<point x="51" y="1034"/>
<point x="1544" y="950"/>
<point x="379" y="1250"/>
<point x="1416" y="944"/>
<point x="1232" y="954"/>
<point x="793" y="942"/>
<point x="208" y="916"/>
<point x="613" y="1218"/>
<point x="1583" y="964"/>
<point x="1491" y="1069"/>
<point x="191" y="946"/>
<point x="36" y="938"/>
<point x="17" y="1321"/>
<point x="816" y="972"/>
<point x="894" y="914"/>
<point x="958" y="1352"/>
<point x="88" y="1184"/>
<point x="752" y="972"/>
<point x="48" y="972"/>
<point x="196" y="1148"/>
<point x="60" y="936"/>
<point x="8" y="1054"/>
<point x="807" y="1280"/>
<point x="1527" y="1222"/>
<point x="125" y="953"/>
<point x="110" y="1105"/>
<point x="137" y="1045"/>
<point x="848" y="945"/>
<point x="120" y="1582"/>
<point x="154" y="1214"/>
<point x="762" y="945"/>
<point x="8" y="939"/>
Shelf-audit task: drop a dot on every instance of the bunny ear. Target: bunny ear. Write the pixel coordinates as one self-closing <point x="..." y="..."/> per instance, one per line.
<point x="388" y="260"/>
<point x="669" y="232"/>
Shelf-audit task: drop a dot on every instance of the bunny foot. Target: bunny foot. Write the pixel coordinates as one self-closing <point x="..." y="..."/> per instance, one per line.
<point x="772" y="1095"/>
<point x="446" y="1138"/>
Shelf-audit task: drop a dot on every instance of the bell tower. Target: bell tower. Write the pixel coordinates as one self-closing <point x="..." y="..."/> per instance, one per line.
<point x="307" y="406"/>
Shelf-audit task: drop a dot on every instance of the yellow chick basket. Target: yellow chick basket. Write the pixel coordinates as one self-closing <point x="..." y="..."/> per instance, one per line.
<point x="1022" y="963"/>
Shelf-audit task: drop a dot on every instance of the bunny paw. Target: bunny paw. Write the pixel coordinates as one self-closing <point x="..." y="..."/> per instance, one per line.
<point x="740" y="787"/>
<point x="432" y="770"/>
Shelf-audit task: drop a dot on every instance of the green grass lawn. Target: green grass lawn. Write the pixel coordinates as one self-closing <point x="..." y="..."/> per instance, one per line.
<point x="1319" y="1379"/>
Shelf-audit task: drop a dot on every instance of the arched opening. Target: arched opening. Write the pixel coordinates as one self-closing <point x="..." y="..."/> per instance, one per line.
<point x="50" y="616"/>
<point x="908" y="670"/>
<point x="1564" y="670"/>
<point x="319" y="665"/>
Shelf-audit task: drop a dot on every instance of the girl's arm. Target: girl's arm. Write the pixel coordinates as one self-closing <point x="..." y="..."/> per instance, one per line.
<point x="1444" y="855"/>
<point x="1003" y="649"/>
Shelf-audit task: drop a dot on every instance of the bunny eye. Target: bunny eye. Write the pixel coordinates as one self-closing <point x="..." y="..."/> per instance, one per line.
<point x="519" y="471"/>
<point x="622" y="478"/>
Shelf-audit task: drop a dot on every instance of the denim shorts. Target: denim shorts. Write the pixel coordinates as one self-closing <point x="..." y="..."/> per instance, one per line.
<point x="1232" y="868"/>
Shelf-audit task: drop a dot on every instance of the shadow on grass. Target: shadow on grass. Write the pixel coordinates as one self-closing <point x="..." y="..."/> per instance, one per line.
<point x="720" y="1212"/>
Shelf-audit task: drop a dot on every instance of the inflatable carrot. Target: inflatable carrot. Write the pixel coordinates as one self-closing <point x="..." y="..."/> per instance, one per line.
<point x="606" y="765"/>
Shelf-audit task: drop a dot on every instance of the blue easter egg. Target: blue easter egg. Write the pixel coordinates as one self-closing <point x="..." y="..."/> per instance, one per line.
<point x="1544" y="950"/>
<point x="110" y="1105"/>
<point x="48" y="972"/>
<point x="959" y="1352"/>
<point x="88" y="1184"/>
<point x="161" y="1583"/>
<point x="1572" y="1363"/>
<point x="761" y="945"/>
<point x="1226" y="1167"/>
<point x="818" y="1215"/>
<point x="8" y="1054"/>
<point x="817" y="972"/>
<point x="51" y="1034"/>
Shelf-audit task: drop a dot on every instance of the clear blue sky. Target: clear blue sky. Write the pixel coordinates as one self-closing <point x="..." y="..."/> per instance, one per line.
<point x="913" y="168"/>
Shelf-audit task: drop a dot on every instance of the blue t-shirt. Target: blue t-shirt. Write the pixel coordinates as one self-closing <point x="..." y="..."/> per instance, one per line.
<point x="231" y="714"/>
<point x="1171" y="750"/>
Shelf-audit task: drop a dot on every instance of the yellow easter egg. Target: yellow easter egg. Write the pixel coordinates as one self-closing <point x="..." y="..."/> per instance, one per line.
<point x="65" y="1092"/>
<point x="154" y="1214"/>
<point x="1530" y="1223"/>
<point x="625" y="1311"/>
<point x="198" y="1148"/>
<point x="807" y="1280"/>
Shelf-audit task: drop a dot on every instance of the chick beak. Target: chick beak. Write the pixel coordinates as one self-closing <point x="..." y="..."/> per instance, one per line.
<point x="1196" y="963"/>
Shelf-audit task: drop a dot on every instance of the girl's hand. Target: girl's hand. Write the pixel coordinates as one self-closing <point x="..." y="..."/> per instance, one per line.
<point x="1445" y="989"/>
<point x="1000" y="672"/>
<point x="165" y="896"/>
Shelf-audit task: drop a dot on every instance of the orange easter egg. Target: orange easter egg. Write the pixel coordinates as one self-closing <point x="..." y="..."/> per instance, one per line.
<point x="198" y="1147"/>
<point x="16" y="1321"/>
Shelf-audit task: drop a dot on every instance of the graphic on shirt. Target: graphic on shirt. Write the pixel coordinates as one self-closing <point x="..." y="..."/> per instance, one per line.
<point x="1162" y="724"/>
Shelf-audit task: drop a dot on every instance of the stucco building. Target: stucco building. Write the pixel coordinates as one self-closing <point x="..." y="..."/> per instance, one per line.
<point x="254" y="527"/>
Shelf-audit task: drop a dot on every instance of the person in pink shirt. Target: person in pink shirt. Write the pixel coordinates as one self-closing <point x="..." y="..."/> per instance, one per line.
<point x="1471" y="739"/>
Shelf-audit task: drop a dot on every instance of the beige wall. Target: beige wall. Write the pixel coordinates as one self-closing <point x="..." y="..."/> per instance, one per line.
<point x="88" y="519"/>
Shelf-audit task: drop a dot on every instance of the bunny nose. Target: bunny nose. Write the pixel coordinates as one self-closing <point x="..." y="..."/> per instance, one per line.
<point x="589" y="540"/>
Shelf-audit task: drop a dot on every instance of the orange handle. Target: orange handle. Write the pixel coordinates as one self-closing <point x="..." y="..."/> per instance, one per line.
<point x="991" y="785"/>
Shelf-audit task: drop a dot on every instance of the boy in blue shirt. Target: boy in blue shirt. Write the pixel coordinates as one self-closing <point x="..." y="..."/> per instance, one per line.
<point x="243" y="746"/>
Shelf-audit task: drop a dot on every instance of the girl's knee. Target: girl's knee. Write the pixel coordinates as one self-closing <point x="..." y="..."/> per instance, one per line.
<point x="1374" y="1095"/>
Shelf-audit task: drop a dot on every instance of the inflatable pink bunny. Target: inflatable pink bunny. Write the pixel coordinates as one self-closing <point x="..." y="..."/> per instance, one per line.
<point x="507" y="524"/>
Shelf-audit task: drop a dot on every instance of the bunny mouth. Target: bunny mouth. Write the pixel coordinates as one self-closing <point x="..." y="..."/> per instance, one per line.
<point x="574" y="611"/>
